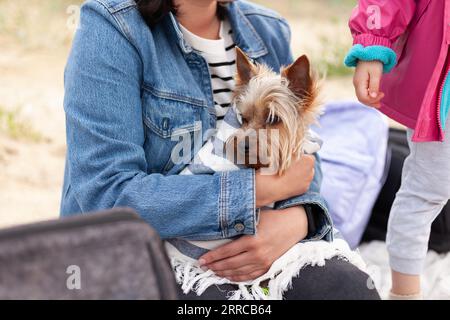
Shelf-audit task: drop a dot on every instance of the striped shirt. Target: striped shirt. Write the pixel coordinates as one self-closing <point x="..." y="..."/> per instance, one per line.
<point x="221" y="58"/>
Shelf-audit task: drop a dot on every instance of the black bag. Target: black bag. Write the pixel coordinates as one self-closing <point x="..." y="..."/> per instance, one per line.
<point x="398" y="150"/>
<point x="107" y="255"/>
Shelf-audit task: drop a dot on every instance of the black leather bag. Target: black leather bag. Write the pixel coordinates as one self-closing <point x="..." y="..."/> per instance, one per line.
<point x="398" y="150"/>
<point x="108" y="255"/>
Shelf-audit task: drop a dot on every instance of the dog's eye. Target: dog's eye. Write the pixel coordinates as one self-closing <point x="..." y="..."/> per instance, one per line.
<point x="273" y="119"/>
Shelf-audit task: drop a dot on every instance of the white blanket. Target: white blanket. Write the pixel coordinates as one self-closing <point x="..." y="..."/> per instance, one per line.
<point x="436" y="277"/>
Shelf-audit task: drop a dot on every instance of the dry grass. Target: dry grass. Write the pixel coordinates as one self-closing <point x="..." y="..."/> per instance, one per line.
<point x="16" y="128"/>
<point x="319" y="29"/>
<point x="318" y="9"/>
<point x="35" y="24"/>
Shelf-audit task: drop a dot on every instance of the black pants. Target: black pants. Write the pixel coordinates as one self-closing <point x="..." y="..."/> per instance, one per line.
<point x="337" y="280"/>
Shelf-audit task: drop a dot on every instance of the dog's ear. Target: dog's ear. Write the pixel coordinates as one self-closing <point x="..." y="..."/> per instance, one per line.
<point x="303" y="83"/>
<point x="299" y="76"/>
<point x="245" y="68"/>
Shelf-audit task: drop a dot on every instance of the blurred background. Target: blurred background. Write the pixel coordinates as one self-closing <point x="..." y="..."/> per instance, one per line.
<point x="35" y="39"/>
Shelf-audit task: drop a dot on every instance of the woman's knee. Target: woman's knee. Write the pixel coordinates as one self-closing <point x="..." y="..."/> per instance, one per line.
<point x="337" y="280"/>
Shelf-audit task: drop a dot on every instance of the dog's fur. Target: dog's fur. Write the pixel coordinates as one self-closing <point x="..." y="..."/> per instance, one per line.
<point x="277" y="111"/>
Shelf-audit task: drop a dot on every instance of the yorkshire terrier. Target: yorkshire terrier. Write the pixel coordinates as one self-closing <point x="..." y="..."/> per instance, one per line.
<point x="275" y="111"/>
<point x="267" y="128"/>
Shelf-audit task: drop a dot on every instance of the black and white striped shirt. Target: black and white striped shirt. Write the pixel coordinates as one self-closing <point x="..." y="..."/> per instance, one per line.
<point x="221" y="58"/>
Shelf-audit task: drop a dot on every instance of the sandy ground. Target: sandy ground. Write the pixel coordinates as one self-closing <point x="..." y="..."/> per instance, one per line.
<point x="31" y="172"/>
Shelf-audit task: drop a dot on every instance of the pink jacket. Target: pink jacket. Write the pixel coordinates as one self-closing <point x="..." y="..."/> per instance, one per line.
<point x="419" y="32"/>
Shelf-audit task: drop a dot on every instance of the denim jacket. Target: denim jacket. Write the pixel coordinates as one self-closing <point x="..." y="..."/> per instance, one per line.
<point x="129" y="90"/>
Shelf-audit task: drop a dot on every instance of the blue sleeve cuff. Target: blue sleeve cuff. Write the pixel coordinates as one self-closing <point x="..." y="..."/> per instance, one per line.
<point x="237" y="203"/>
<point x="318" y="207"/>
<point x="371" y="53"/>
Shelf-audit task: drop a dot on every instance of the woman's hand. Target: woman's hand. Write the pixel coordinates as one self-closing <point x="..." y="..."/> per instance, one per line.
<point x="295" y="181"/>
<point x="367" y="80"/>
<point x="249" y="257"/>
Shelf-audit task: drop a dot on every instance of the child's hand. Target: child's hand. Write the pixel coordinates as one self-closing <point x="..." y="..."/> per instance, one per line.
<point x="367" y="82"/>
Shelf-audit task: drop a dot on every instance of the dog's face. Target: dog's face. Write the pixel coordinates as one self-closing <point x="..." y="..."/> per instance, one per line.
<point x="276" y="111"/>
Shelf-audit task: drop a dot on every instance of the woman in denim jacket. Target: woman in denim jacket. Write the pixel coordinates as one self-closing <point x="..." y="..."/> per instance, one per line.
<point x="132" y="82"/>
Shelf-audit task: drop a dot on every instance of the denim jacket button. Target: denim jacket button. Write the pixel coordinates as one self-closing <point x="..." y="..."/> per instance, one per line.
<point x="165" y="123"/>
<point x="239" y="226"/>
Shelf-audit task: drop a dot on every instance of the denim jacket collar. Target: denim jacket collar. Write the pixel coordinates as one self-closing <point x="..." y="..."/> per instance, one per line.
<point x="245" y="35"/>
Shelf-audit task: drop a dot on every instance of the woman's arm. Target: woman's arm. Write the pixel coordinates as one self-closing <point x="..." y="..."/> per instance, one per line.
<point x="319" y="220"/>
<point x="249" y="257"/>
<point x="105" y="136"/>
<point x="300" y="218"/>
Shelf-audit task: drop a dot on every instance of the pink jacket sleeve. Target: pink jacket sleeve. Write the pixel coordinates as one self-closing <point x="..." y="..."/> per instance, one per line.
<point x="380" y="22"/>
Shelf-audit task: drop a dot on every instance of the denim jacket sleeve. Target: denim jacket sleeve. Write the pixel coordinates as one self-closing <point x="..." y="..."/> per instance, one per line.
<point x="105" y="136"/>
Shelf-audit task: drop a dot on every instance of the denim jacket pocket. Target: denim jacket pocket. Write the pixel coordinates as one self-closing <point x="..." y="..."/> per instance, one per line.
<point x="169" y="123"/>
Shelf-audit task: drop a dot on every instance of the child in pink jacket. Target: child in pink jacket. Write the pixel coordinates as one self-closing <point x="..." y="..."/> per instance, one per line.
<point x="401" y="55"/>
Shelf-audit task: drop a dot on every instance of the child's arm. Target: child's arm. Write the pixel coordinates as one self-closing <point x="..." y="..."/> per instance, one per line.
<point x="375" y="26"/>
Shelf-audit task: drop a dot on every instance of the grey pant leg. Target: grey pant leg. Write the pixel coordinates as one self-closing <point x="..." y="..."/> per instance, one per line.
<point x="424" y="191"/>
<point x="337" y="280"/>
